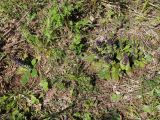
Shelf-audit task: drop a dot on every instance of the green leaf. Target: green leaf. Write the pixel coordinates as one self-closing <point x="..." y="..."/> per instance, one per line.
<point x="104" y="74"/>
<point x="25" y="78"/>
<point x="77" y="39"/>
<point x="87" y="116"/>
<point x="128" y="68"/>
<point x="123" y="67"/>
<point x="147" y="108"/>
<point x="77" y="114"/>
<point x="90" y="58"/>
<point x="44" y="85"/>
<point x="33" y="62"/>
<point x="157" y="91"/>
<point x="127" y="48"/>
<point x="148" y="57"/>
<point x="115" y="72"/>
<point x="141" y="64"/>
<point x="2" y="99"/>
<point x="34" y="73"/>
<point x="119" y="56"/>
<point x="115" y="97"/>
<point x="34" y="100"/>
<point x="14" y="113"/>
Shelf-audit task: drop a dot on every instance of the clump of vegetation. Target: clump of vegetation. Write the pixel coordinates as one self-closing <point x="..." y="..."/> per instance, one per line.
<point x="18" y="106"/>
<point x="27" y="71"/>
<point x="117" y="57"/>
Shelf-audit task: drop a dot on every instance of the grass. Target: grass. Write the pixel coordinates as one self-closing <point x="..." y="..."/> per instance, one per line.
<point x="79" y="60"/>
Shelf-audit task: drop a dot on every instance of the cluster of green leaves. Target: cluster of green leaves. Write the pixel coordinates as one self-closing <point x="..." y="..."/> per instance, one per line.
<point x="16" y="106"/>
<point x="115" y="57"/>
<point x="55" y="19"/>
<point x="77" y="44"/>
<point x="83" y="82"/>
<point x="63" y="15"/>
<point x="58" y="16"/>
<point x="28" y="72"/>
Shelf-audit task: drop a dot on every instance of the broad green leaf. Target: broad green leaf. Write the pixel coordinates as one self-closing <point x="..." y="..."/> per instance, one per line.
<point x="115" y="72"/>
<point x="127" y="48"/>
<point x="119" y="56"/>
<point x="33" y="62"/>
<point x="77" y="114"/>
<point x="34" y="100"/>
<point x="104" y="74"/>
<point x="87" y="116"/>
<point x="44" y="85"/>
<point x="34" y="73"/>
<point x="77" y="39"/>
<point x="128" y="68"/>
<point x="123" y="67"/>
<point x="25" y="78"/>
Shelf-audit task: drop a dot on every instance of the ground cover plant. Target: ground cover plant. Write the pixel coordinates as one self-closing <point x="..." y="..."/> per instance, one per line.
<point x="79" y="60"/>
<point x="118" y="57"/>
